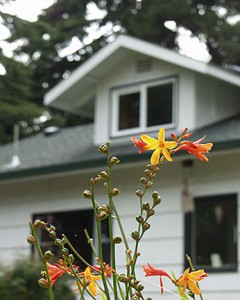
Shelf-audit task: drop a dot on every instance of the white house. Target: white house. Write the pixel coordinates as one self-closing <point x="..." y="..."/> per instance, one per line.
<point x="131" y="87"/>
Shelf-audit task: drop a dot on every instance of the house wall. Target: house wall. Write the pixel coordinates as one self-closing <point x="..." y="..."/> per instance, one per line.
<point x="221" y="100"/>
<point x="125" y="73"/>
<point x="163" y="244"/>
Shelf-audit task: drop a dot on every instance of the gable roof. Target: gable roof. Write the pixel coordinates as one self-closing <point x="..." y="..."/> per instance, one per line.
<point x="84" y="78"/>
<point x="73" y="149"/>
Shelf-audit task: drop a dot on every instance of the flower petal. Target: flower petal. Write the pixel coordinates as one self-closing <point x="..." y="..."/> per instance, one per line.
<point x="166" y="154"/>
<point x="161" y="135"/>
<point x="155" y="156"/>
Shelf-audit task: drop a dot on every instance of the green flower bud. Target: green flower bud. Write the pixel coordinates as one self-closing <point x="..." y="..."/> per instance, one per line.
<point x="47" y="255"/>
<point x="150" y="212"/>
<point x="114" y="192"/>
<point x="139" y="219"/>
<point x="31" y="240"/>
<point x="117" y="240"/>
<point x="52" y="234"/>
<point x="37" y="224"/>
<point x="104" y="174"/>
<point x="114" y="161"/>
<point x="135" y="235"/>
<point x="146" y="206"/>
<point x="103" y="148"/>
<point x="139" y="193"/>
<point x="144" y="180"/>
<point x="43" y="283"/>
<point x="145" y="226"/>
<point x="87" y="194"/>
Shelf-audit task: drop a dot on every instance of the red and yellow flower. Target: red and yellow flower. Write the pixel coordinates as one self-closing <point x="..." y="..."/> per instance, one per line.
<point x="189" y="280"/>
<point x="160" y="146"/>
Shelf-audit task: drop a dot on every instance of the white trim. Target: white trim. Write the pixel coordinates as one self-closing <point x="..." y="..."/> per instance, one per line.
<point x="142" y="89"/>
<point x="86" y="70"/>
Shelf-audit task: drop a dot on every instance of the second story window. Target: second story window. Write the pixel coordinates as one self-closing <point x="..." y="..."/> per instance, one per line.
<point x="144" y="106"/>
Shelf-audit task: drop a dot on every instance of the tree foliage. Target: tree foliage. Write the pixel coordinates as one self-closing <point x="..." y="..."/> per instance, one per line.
<point x="43" y="42"/>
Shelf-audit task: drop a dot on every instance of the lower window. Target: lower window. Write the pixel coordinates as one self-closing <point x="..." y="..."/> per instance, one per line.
<point x="72" y="224"/>
<point x="211" y="233"/>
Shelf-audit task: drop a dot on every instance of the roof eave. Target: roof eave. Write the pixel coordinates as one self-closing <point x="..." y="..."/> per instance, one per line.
<point x="83" y="165"/>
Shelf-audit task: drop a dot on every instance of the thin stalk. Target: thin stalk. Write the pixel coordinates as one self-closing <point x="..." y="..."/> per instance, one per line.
<point x="104" y="279"/>
<point x="39" y="250"/>
<point x="112" y="245"/>
<point x="75" y="251"/>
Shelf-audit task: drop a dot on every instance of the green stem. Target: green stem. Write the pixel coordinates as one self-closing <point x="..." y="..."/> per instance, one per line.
<point x="110" y="221"/>
<point x="39" y="250"/>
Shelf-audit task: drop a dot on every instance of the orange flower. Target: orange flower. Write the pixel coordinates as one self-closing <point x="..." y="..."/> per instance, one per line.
<point x="55" y="271"/>
<point x="189" y="280"/>
<point x="160" y="146"/>
<point x="196" y="148"/>
<point x="151" y="271"/>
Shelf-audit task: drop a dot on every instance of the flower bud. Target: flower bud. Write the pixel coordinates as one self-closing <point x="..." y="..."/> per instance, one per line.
<point x="65" y="251"/>
<point x="147" y="172"/>
<point x="135" y="235"/>
<point x="139" y="219"/>
<point x="144" y="180"/>
<point x="145" y="226"/>
<point x="139" y="193"/>
<point x="117" y="240"/>
<point x="102" y="216"/>
<point x="104" y="174"/>
<point x="103" y="148"/>
<point x="43" y="283"/>
<point x="140" y="287"/>
<point x="87" y="194"/>
<point x="103" y="207"/>
<point x="37" y="224"/>
<point x="150" y="212"/>
<point x="146" y="206"/>
<point x="52" y="234"/>
<point x="156" y="201"/>
<point x="114" y="192"/>
<point x="47" y="255"/>
<point x="71" y="258"/>
<point x="31" y="240"/>
<point x="149" y="184"/>
<point x="114" y="161"/>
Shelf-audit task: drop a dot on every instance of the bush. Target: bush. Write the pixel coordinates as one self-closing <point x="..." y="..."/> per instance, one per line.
<point x="20" y="282"/>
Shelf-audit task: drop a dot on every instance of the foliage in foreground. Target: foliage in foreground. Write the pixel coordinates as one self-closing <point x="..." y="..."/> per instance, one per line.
<point x="20" y="283"/>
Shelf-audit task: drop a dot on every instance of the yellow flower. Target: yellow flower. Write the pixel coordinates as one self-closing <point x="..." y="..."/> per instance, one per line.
<point x="160" y="146"/>
<point x="90" y="280"/>
<point x="189" y="280"/>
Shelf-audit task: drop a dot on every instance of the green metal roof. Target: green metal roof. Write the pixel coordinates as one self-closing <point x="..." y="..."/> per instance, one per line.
<point x="72" y="149"/>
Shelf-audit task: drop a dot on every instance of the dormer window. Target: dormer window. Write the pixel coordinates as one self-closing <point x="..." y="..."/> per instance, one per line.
<point x="143" y="107"/>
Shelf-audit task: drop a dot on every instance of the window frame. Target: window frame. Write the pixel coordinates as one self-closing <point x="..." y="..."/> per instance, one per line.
<point x="140" y="87"/>
<point x="190" y="242"/>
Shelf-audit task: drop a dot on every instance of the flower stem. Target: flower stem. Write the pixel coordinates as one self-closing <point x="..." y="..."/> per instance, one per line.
<point x="39" y="250"/>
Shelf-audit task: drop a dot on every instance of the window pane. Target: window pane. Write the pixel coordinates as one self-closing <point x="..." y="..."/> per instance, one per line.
<point x="72" y="224"/>
<point x="159" y="106"/>
<point x="214" y="233"/>
<point x="129" y="111"/>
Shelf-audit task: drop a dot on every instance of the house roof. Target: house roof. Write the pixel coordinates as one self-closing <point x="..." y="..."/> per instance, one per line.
<point x="72" y="149"/>
<point x="83" y="80"/>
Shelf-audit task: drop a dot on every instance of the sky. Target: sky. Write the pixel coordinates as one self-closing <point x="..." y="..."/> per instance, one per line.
<point x="30" y="9"/>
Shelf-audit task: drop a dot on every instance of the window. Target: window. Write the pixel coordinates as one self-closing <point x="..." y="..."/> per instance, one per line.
<point x="211" y="233"/>
<point x="143" y="107"/>
<point x="72" y="224"/>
